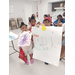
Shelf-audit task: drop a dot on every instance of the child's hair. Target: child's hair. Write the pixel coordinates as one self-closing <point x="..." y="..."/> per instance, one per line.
<point x="22" y="23"/>
<point x="32" y="15"/>
<point x="46" y="15"/>
<point x="61" y="19"/>
<point x="46" y="20"/>
<point x="59" y="16"/>
<point x="32" y="18"/>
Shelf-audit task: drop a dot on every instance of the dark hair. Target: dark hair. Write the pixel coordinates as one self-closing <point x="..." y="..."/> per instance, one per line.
<point x="46" y="15"/>
<point x="59" y="16"/>
<point x="61" y="19"/>
<point x="22" y="23"/>
<point x="29" y="19"/>
<point x="46" y="20"/>
<point x="32" y="15"/>
<point x="32" y="18"/>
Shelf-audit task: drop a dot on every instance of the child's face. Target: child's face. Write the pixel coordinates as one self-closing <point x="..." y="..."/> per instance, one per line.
<point x="24" y="28"/>
<point x="59" y="17"/>
<point x="47" y="23"/>
<point x="33" y="22"/>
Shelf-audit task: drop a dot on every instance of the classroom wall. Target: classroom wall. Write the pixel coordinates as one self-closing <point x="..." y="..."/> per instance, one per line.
<point x="47" y="4"/>
<point x="54" y="13"/>
<point x="20" y="9"/>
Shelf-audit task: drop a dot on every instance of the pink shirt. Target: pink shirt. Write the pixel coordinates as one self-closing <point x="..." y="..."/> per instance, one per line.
<point x="25" y="47"/>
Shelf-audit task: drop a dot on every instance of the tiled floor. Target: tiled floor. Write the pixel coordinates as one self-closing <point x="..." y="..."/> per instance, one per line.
<point x="38" y="68"/>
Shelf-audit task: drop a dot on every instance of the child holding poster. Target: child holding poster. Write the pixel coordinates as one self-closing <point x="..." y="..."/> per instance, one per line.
<point x="26" y="49"/>
<point x="32" y="24"/>
<point x="47" y="22"/>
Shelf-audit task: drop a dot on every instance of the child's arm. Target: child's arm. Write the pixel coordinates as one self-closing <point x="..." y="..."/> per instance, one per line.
<point x="37" y="26"/>
<point x="29" y="27"/>
<point x="54" y="24"/>
<point x="59" y="24"/>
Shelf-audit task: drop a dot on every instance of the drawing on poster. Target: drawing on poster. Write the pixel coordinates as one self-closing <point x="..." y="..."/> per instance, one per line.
<point x="43" y="27"/>
<point x="24" y="40"/>
<point x="46" y="42"/>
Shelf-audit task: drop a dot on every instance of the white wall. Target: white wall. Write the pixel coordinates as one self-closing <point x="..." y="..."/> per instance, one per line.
<point x="46" y="8"/>
<point x="54" y="13"/>
<point x="19" y="8"/>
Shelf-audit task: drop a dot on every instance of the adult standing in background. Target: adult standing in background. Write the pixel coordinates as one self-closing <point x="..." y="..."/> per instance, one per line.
<point x="56" y="21"/>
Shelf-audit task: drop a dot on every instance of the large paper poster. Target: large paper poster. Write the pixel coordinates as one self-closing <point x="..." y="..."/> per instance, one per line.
<point x="47" y="44"/>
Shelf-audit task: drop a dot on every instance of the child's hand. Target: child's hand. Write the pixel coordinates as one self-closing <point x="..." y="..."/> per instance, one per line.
<point x="37" y="26"/>
<point x="29" y="32"/>
<point x="59" y="25"/>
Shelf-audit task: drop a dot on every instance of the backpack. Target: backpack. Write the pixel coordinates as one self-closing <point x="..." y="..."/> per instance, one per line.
<point x="22" y="55"/>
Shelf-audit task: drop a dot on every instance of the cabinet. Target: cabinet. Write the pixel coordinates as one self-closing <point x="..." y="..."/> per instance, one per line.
<point x="57" y="4"/>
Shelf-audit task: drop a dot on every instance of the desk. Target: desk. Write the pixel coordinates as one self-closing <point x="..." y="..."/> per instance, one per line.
<point x="12" y="37"/>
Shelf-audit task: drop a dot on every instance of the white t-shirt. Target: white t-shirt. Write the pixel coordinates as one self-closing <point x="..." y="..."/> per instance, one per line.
<point x="63" y="25"/>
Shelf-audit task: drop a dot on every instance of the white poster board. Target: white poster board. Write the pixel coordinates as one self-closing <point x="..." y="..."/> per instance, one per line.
<point x="11" y="9"/>
<point x="47" y="44"/>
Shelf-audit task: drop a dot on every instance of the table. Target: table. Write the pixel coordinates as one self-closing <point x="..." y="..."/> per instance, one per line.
<point x="12" y="37"/>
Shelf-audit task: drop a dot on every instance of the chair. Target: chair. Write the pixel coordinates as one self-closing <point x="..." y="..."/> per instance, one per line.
<point x="19" y="20"/>
<point x="12" y="23"/>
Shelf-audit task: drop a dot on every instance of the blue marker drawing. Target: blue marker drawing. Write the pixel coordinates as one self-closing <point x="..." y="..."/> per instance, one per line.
<point x="12" y="37"/>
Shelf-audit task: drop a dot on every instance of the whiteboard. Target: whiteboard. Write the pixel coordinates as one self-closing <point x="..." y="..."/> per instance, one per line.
<point x="11" y="9"/>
